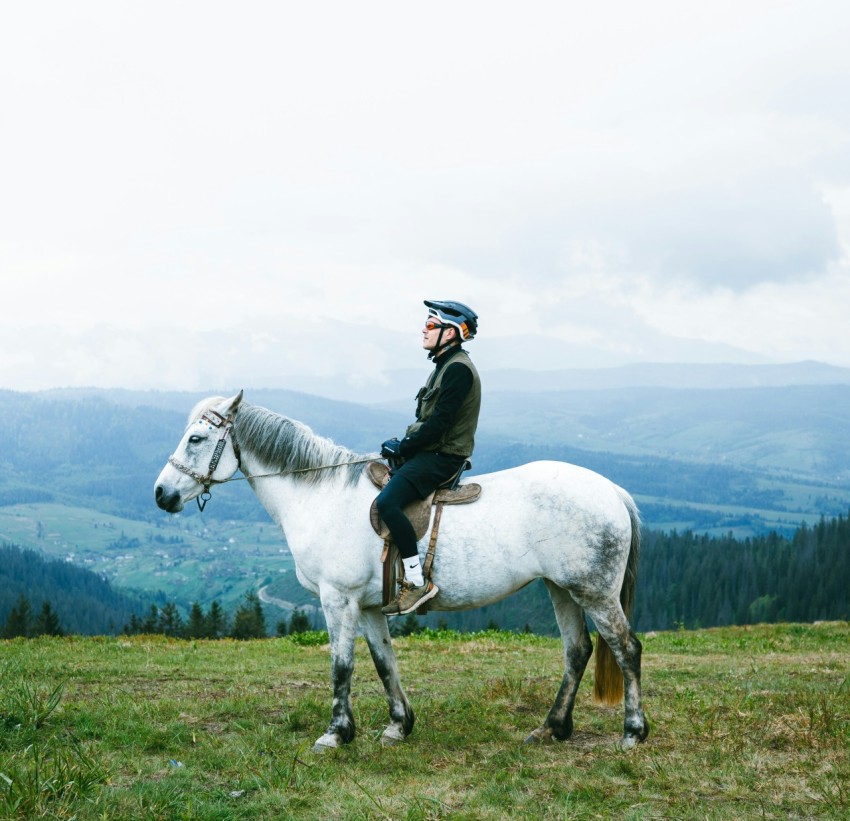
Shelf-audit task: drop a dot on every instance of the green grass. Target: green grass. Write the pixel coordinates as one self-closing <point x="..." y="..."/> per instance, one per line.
<point x="746" y="723"/>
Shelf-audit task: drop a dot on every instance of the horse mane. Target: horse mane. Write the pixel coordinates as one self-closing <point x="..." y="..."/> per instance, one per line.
<point x="288" y="446"/>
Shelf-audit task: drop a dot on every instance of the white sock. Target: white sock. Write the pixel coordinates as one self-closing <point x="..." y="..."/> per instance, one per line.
<point x="413" y="571"/>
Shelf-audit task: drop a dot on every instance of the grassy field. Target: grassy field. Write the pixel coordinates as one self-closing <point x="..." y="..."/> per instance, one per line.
<point x="746" y="723"/>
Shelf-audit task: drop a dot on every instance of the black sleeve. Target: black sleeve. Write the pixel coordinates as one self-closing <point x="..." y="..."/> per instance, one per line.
<point x="454" y="388"/>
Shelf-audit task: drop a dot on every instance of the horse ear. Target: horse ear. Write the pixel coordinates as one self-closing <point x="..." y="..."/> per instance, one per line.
<point x="233" y="404"/>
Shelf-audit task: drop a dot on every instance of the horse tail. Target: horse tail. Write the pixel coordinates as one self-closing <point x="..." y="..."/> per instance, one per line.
<point x="608" y="678"/>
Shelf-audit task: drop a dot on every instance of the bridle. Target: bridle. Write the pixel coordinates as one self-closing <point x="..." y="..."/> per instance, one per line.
<point x="206" y="480"/>
<point x="215" y="419"/>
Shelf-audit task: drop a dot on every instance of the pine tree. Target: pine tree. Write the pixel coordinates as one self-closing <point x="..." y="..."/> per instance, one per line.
<point x="259" y="616"/>
<point x="408" y="627"/>
<point x="299" y="623"/>
<point x="249" y="621"/>
<point x="47" y="623"/>
<point x="170" y="620"/>
<point x="216" y="621"/>
<point x="133" y="627"/>
<point x="19" y="620"/>
<point x="151" y="623"/>
<point x="196" y="626"/>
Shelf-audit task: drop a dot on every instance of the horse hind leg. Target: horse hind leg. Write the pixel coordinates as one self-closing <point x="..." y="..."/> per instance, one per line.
<point x="577" y="650"/>
<point x="377" y="635"/>
<point x="614" y="629"/>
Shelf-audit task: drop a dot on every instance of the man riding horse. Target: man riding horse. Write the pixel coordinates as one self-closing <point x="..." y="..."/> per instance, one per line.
<point x="436" y="446"/>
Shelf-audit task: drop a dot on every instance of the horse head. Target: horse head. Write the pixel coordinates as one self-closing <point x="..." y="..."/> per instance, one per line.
<point x="206" y="455"/>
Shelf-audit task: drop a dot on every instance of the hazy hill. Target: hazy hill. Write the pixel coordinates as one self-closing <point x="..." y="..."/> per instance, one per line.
<point x="801" y="430"/>
<point x="675" y="375"/>
<point x="104" y="449"/>
<point x="398" y="386"/>
<point x="791" y="418"/>
<point x="777" y="448"/>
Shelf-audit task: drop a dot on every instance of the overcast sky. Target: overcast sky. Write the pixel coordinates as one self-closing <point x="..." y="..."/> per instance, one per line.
<point x="199" y="193"/>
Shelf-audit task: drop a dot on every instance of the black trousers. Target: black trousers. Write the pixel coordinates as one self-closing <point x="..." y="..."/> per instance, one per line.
<point x="415" y="479"/>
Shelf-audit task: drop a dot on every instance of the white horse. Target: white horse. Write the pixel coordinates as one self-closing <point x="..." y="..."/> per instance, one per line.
<point x="551" y="520"/>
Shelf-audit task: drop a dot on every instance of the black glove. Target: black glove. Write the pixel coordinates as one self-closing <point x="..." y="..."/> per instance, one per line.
<point x="389" y="450"/>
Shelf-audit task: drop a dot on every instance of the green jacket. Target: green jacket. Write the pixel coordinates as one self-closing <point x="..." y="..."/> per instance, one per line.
<point x="459" y="438"/>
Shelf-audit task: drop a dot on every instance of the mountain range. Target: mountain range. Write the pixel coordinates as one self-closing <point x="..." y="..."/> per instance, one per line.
<point x="398" y="384"/>
<point x="790" y="418"/>
<point x="767" y="449"/>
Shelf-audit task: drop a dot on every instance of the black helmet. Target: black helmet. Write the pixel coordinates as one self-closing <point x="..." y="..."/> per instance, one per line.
<point x="456" y="314"/>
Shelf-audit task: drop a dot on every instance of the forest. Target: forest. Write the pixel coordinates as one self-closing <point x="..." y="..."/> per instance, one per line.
<point x="697" y="581"/>
<point x="83" y="602"/>
<point x="685" y="580"/>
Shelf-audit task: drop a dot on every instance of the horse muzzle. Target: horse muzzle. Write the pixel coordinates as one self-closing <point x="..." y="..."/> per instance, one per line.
<point x="168" y="500"/>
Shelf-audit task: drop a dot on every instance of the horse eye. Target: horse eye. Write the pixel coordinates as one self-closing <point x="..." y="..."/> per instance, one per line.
<point x="193" y="440"/>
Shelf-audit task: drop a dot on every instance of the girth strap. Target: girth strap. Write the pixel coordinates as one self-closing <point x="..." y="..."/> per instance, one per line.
<point x="432" y="543"/>
<point x="392" y="570"/>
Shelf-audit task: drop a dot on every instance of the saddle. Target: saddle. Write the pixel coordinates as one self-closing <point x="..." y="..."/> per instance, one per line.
<point x="419" y="514"/>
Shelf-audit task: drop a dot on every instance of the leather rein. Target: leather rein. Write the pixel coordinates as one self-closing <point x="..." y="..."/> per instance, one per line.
<point x="206" y="480"/>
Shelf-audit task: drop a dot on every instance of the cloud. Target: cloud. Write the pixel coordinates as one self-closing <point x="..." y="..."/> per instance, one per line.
<point x="734" y="234"/>
<point x="606" y="176"/>
<point x="730" y="201"/>
<point x="349" y="360"/>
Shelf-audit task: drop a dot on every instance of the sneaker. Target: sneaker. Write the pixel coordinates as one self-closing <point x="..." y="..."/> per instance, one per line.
<point x="409" y="598"/>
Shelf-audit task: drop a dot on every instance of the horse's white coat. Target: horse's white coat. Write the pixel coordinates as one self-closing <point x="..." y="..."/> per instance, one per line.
<point x="548" y="520"/>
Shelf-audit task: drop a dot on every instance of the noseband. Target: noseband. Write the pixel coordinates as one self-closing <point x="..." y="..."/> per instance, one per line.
<point x="217" y="421"/>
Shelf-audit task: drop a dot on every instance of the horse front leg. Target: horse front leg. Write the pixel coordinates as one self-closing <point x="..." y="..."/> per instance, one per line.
<point x="377" y="635"/>
<point x="341" y="614"/>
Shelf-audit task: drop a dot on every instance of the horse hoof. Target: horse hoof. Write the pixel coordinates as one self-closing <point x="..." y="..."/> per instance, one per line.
<point x="327" y="742"/>
<point x="392" y="736"/>
<point x="628" y="742"/>
<point x="633" y="735"/>
<point x="390" y="741"/>
<point x="542" y="735"/>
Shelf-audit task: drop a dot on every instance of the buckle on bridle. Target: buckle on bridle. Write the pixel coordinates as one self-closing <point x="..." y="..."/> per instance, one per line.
<point x="214" y="418"/>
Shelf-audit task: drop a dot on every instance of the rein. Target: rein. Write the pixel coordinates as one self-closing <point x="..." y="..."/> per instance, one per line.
<point x="206" y="481"/>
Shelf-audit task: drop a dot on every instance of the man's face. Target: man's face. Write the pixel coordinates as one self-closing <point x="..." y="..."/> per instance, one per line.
<point x="431" y="333"/>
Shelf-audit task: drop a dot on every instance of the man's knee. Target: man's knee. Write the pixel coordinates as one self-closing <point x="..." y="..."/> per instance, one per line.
<point x="396" y="495"/>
